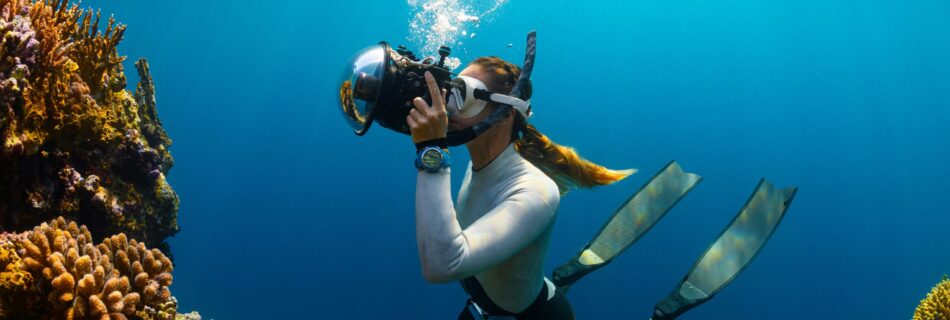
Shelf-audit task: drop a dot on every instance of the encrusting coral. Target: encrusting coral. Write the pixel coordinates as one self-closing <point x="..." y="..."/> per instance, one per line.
<point x="16" y="290"/>
<point x="936" y="306"/>
<point x="56" y="272"/>
<point x="73" y="141"/>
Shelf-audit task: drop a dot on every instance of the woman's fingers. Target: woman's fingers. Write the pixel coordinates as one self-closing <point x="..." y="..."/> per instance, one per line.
<point x="420" y="106"/>
<point x="428" y="122"/>
<point x="416" y="116"/>
<point x="411" y="122"/>
<point x="438" y="99"/>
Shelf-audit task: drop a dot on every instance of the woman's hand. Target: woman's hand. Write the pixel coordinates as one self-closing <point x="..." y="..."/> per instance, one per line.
<point x="429" y="122"/>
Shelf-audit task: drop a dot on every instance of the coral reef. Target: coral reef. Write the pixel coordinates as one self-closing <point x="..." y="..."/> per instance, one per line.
<point x="936" y="306"/>
<point x="56" y="272"/>
<point x="73" y="141"/>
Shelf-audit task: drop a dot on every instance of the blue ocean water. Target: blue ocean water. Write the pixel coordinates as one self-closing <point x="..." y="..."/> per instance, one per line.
<point x="286" y="214"/>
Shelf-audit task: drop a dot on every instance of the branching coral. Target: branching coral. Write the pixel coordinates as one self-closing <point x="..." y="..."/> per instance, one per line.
<point x="936" y="306"/>
<point x="60" y="266"/>
<point x="73" y="141"/>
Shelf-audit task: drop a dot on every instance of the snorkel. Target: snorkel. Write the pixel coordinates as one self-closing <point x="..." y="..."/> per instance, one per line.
<point x="381" y="82"/>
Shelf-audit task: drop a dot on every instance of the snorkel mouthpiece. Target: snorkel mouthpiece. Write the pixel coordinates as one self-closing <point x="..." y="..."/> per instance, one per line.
<point x="380" y="83"/>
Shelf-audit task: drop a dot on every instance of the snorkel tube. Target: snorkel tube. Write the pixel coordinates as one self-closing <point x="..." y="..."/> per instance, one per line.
<point x="460" y="137"/>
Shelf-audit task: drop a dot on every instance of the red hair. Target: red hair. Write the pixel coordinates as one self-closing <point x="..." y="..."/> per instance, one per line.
<point x="562" y="164"/>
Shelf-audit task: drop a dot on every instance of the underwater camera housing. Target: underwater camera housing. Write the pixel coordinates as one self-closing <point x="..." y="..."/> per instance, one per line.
<point x="381" y="82"/>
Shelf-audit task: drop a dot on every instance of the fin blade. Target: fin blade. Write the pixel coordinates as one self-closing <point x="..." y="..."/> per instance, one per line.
<point x="731" y="252"/>
<point x="635" y="217"/>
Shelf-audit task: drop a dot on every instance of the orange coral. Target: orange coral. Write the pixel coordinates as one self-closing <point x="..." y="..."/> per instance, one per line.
<point x="69" y="96"/>
<point x="117" y="279"/>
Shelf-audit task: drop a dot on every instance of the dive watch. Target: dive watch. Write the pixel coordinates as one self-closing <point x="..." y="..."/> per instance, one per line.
<point x="433" y="159"/>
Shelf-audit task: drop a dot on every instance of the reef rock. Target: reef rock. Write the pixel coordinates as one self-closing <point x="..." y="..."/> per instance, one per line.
<point x="73" y="141"/>
<point x="56" y="272"/>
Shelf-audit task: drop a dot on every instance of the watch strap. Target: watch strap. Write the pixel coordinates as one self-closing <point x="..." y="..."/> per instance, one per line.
<point x="438" y="142"/>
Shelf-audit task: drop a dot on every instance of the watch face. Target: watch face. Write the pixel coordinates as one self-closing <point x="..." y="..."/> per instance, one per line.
<point x="432" y="158"/>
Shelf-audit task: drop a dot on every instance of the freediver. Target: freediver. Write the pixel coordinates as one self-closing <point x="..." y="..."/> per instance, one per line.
<point x="495" y="238"/>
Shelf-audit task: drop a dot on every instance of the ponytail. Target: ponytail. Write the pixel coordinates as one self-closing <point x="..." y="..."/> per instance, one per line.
<point x="562" y="164"/>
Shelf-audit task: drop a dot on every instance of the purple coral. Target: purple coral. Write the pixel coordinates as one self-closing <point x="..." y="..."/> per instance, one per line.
<point x="19" y="46"/>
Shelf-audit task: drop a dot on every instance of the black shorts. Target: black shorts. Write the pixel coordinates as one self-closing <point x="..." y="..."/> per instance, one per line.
<point x="556" y="308"/>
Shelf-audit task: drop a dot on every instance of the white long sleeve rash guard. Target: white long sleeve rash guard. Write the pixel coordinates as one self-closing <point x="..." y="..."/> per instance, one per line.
<point x="498" y="231"/>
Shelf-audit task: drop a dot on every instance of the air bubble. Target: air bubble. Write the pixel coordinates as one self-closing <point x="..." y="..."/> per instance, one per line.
<point x="438" y="22"/>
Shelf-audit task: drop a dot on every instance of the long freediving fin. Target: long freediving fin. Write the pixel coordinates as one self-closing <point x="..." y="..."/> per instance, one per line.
<point x="630" y="222"/>
<point x="732" y="251"/>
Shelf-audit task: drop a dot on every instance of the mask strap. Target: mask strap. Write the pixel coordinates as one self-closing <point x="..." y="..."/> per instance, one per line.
<point x="522" y="106"/>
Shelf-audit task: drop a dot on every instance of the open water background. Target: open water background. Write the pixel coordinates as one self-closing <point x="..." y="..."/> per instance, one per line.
<point x="286" y="214"/>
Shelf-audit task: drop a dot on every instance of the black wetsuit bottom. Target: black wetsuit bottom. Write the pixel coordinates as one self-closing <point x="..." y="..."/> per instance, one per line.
<point x="556" y="308"/>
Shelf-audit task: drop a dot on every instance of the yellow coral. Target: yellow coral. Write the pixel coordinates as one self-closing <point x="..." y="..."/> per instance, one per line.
<point x="936" y="306"/>
<point x="12" y="275"/>
<point x="16" y="284"/>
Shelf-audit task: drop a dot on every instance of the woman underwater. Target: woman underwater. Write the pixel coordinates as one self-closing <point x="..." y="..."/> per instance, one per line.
<point x="494" y="239"/>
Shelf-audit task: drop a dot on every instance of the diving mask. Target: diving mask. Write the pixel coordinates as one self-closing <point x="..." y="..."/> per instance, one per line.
<point x="468" y="96"/>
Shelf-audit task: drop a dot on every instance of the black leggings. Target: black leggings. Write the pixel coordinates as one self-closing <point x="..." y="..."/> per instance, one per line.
<point x="557" y="308"/>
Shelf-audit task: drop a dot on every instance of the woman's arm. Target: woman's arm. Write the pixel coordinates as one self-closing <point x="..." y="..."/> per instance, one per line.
<point x="447" y="252"/>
